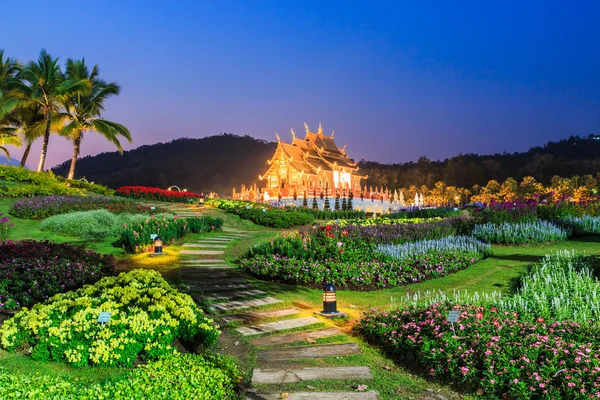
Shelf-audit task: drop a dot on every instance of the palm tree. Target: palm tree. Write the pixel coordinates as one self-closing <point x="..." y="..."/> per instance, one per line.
<point x="83" y="110"/>
<point x="9" y="68"/>
<point x="41" y="83"/>
<point x="29" y="123"/>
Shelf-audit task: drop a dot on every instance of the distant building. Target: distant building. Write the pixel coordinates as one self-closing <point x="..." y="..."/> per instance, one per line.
<point x="310" y="166"/>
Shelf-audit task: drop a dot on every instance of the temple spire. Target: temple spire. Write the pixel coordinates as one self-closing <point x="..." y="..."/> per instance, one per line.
<point x="278" y="139"/>
<point x="332" y="133"/>
<point x="293" y="135"/>
<point x="306" y="128"/>
<point x="320" y="132"/>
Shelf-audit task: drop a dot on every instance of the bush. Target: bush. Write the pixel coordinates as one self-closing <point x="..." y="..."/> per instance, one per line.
<point x="328" y="214"/>
<point x="35" y="184"/>
<point x="44" y="207"/>
<point x="565" y="209"/>
<point x="32" y="271"/>
<point x="461" y="244"/>
<point x="382" y="221"/>
<point x="135" y="237"/>
<point x="584" y="225"/>
<point x="95" y="224"/>
<point x="152" y="193"/>
<point x="506" y="212"/>
<point x="147" y="316"/>
<point x="5" y="226"/>
<point x="520" y="233"/>
<point x="264" y="215"/>
<point x="424" y="213"/>
<point x="492" y="351"/>
<point x="175" y="377"/>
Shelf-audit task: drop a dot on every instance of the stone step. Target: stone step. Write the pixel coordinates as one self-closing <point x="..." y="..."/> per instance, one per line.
<point x="219" y="287"/>
<point x="201" y="260"/>
<point x="203" y="252"/>
<point x="277" y="326"/>
<point x="280" y="376"/>
<point x="371" y="395"/>
<point x="212" y="281"/>
<point x="294" y="337"/>
<point x="215" y="239"/>
<point x="241" y="304"/>
<point x="237" y="294"/>
<point x="210" y="246"/>
<point x="254" y="316"/>
<point x="208" y="266"/>
<point x="326" y="350"/>
<point x="212" y="277"/>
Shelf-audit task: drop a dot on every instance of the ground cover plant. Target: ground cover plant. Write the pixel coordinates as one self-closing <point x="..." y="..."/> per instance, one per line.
<point x="32" y="271"/>
<point x="542" y="342"/>
<point x="520" y="232"/>
<point x="5" y="226"/>
<point x="47" y="206"/>
<point x="382" y="221"/>
<point x="136" y="236"/>
<point x="262" y="214"/>
<point x="174" y="377"/>
<point x="148" y="315"/>
<point x="152" y="193"/>
<point x="447" y="244"/>
<point x="423" y="213"/>
<point x="33" y="184"/>
<point x="348" y="256"/>
<point x="579" y="226"/>
<point x="94" y="224"/>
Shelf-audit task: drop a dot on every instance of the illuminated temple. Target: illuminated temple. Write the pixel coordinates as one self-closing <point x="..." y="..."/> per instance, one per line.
<point x="310" y="166"/>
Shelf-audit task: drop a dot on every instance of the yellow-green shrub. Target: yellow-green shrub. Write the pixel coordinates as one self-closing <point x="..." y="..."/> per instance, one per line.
<point x="147" y="316"/>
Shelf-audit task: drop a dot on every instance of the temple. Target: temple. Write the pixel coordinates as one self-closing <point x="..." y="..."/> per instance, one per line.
<point x="309" y="167"/>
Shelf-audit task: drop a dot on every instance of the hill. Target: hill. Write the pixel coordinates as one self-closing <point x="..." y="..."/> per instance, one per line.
<point x="218" y="163"/>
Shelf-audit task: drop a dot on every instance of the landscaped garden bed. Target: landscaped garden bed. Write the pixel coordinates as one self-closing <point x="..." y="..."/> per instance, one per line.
<point x="520" y="232"/>
<point x="46" y="206"/>
<point x="32" y="271"/>
<point x="94" y="224"/>
<point x="262" y="214"/>
<point x="540" y="343"/>
<point x="152" y="193"/>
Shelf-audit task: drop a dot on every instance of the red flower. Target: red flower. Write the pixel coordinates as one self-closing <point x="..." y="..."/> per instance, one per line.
<point x="540" y="319"/>
<point x="344" y="233"/>
<point x="479" y="315"/>
<point x="494" y="309"/>
<point x="328" y="227"/>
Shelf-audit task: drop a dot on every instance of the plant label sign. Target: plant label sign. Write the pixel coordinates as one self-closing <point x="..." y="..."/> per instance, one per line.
<point x="104" y="317"/>
<point x="153" y="208"/>
<point x="453" y="316"/>
<point x="153" y="236"/>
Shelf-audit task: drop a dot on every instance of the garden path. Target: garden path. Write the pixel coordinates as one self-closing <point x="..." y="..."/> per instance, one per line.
<point x="225" y="290"/>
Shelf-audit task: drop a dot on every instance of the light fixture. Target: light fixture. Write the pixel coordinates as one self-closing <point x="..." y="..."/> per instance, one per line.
<point x="330" y="303"/>
<point x="158" y="245"/>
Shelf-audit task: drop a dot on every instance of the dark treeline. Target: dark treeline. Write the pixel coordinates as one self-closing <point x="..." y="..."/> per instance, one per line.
<point x="218" y="163"/>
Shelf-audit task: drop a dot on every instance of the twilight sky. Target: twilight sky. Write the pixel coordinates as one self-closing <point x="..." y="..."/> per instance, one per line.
<point x="395" y="79"/>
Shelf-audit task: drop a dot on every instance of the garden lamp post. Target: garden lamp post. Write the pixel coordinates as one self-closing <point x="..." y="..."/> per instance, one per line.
<point x="158" y="245"/>
<point x="330" y="303"/>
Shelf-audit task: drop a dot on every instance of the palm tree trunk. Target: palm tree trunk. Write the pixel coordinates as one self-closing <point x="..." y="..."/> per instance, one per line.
<point x="45" y="145"/>
<point x="25" y="154"/>
<point x="76" y="146"/>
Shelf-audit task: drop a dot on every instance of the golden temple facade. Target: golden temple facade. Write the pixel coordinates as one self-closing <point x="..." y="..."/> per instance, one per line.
<point x="311" y="166"/>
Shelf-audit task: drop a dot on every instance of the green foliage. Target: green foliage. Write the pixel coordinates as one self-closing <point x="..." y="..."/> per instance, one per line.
<point x="263" y="214"/>
<point x="337" y="204"/>
<point x="423" y="213"/>
<point x="175" y="377"/>
<point x="328" y="214"/>
<point x="36" y="184"/>
<point x="136" y="236"/>
<point x="147" y="316"/>
<point x="95" y="224"/>
<point x="5" y="226"/>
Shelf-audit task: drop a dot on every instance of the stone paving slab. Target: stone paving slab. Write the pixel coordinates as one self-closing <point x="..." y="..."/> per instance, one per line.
<point x="253" y="316"/>
<point x="204" y="252"/>
<point x="371" y="395"/>
<point x="295" y="337"/>
<point x="279" y="376"/>
<point x="200" y="265"/>
<point x="213" y="281"/>
<point x="206" y="245"/>
<point x="219" y="287"/>
<point x="203" y="260"/>
<point x="326" y="350"/>
<point x="241" y="304"/>
<point x="277" y="326"/>
<point x="216" y="239"/>
<point x="237" y="294"/>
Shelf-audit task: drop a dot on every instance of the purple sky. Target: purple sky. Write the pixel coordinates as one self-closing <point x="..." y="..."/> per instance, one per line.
<point x="396" y="81"/>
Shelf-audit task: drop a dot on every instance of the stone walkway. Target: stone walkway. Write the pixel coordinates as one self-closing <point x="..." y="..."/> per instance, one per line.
<point x="225" y="290"/>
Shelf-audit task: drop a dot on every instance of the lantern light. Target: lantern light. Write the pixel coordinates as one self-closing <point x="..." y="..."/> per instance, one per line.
<point x="158" y="245"/>
<point x="330" y="303"/>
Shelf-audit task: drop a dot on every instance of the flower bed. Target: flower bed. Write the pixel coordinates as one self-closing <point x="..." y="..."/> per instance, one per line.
<point x="32" y="271"/>
<point x="264" y="215"/>
<point x="136" y="237"/>
<point x="492" y="352"/>
<point x="424" y="213"/>
<point x="152" y="193"/>
<point x="175" y="377"/>
<point x="44" y="207"/>
<point x="506" y="212"/>
<point x="464" y="244"/>
<point x="5" y="226"/>
<point x="382" y="221"/>
<point x="147" y="316"/>
<point x="520" y="233"/>
<point x="584" y="225"/>
<point x="348" y="257"/>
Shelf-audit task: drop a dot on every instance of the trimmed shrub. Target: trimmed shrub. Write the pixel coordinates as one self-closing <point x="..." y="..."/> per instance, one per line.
<point x="95" y="224"/>
<point x="152" y="193"/>
<point x="32" y="271"/>
<point x="147" y="316"/>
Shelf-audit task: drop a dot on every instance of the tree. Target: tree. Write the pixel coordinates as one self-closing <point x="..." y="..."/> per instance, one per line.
<point x="9" y="68"/>
<point x="41" y="83"/>
<point x="83" y="110"/>
<point x="29" y="124"/>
